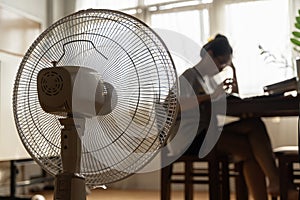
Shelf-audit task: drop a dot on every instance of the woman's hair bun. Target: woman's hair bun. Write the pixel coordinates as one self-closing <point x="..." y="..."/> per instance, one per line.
<point x="219" y="46"/>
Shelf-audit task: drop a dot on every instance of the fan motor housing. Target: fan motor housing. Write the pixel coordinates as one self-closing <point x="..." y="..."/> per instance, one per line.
<point x="71" y="90"/>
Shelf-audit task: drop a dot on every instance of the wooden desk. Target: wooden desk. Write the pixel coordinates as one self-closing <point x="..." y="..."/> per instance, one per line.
<point x="263" y="106"/>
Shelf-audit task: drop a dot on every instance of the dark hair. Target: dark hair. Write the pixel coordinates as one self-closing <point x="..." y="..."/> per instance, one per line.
<point x="219" y="46"/>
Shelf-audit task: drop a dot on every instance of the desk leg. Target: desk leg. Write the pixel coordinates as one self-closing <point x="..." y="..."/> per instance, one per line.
<point x="13" y="177"/>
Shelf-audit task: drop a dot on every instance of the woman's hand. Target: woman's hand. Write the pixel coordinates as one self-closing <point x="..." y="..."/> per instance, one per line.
<point x="228" y="85"/>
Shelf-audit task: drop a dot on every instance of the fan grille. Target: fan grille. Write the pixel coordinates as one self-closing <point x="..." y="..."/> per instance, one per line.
<point x="129" y="56"/>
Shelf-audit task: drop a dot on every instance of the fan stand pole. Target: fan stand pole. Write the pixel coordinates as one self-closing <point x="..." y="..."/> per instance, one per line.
<point x="70" y="185"/>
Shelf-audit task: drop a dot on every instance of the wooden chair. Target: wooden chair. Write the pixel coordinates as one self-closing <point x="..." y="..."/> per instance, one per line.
<point x="211" y="171"/>
<point x="288" y="162"/>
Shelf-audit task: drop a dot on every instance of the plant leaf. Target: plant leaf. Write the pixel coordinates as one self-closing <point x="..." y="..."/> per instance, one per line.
<point x="297" y="25"/>
<point x="295" y="41"/>
<point x="296" y="49"/>
<point x="298" y="19"/>
<point x="296" y="34"/>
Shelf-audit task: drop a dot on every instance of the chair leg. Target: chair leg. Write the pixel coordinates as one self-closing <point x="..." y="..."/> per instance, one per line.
<point x="240" y="183"/>
<point x="165" y="185"/>
<point x="188" y="183"/>
<point x="225" y="181"/>
<point x="283" y="169"/>
<point x="214" y="179"/>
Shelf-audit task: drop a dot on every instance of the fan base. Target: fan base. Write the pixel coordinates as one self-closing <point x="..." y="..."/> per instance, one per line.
<point x="69" y="186"/>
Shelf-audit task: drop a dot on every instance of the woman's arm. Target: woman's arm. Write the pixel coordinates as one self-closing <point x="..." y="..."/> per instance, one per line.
<point x="235" y="87"/>
<point x="187" y="103"/>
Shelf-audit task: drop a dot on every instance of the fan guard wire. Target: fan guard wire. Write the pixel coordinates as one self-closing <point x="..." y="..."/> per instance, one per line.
<point x="134" y="60"/>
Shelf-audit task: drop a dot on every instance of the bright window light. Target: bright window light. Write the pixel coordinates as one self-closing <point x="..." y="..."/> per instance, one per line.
<point x="180" y="4"/>
<point x="206" y="1"/>
<point x="106" y="4"/>
<point x="264" y="23"/>
<point x="152" y="2"/>
<point x="187" y="23"/>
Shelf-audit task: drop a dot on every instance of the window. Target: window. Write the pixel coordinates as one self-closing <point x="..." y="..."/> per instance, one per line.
<point x="248" y="25"/>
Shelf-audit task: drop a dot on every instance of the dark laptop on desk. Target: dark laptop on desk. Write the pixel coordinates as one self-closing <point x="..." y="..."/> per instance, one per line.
<point x="276" y="89"/>
<point x="281" y="87"/>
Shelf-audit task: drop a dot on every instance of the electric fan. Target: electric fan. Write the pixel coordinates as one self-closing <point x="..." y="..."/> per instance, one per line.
<point x="94" y="99"/>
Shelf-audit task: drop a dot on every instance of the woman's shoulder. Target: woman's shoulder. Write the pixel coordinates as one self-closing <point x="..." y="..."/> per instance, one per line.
<point x="190" y="73"/>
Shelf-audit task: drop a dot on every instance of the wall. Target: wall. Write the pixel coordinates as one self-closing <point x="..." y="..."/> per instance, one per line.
<point x="43" y="11"/>
<point x="26" y="7"/>
<point x="10" y="57"/>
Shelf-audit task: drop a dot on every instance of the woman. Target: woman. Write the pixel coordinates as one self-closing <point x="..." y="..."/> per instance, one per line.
<point x="245" y="140"/>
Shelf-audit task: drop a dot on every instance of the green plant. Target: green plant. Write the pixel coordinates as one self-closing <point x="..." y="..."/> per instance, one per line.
<point x="296" y="34"/>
